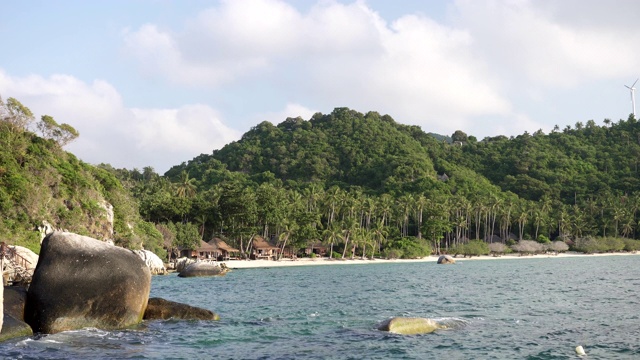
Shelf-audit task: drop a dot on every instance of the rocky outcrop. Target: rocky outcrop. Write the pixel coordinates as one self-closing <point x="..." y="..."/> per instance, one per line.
<point x="19" y="268"/>
<point x="204" y="268"/>
<point x="155" y="264"/>
<point x="161" y="309"/>
<point x="410" y="326"/>
<point x="14" y="328"/>
<point x="14" y="325"/>
<point x="182" y="263"/>
<point x="446" y="259"/>
<point x="83" y="282"/>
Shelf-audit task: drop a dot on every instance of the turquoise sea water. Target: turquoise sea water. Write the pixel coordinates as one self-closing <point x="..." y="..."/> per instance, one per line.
<point x="507" y="309"/>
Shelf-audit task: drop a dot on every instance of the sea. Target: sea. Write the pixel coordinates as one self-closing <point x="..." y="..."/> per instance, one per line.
<point x="534" y="308"/>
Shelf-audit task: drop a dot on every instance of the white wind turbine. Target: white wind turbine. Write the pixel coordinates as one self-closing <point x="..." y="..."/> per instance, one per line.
<point x="632" y="89"/>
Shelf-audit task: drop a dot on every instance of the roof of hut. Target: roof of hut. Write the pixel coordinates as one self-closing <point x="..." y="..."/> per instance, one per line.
<point x="222" y="245"/>
<point x="206" y="247"/>
<point x="260" y="243"/>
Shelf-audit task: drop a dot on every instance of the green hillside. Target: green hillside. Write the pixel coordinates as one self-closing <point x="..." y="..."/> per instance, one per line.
<point x="358" y="183"/>
<point x="40" y="182"/>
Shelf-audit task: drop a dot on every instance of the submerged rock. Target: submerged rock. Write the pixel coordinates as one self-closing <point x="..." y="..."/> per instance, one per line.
<point x="161" y="309"/>
<point x="410" y="326"/>
<point x="446" y="259"/>
<point x="203" y="268"/>
<point x="83" y="282"/>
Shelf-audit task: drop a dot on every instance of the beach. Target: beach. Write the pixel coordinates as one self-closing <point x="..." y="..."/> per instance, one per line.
<point x="249" y="264"/>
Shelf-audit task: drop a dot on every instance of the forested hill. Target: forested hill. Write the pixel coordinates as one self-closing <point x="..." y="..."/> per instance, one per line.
<point x="344" y="147"/>
<point x="348" y="148"/>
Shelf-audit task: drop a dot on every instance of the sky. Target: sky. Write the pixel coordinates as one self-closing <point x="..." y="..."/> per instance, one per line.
<point x="158" y="82"/>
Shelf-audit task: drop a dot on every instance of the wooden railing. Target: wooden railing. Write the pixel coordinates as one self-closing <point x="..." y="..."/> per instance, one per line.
<point x="19" y="263"/>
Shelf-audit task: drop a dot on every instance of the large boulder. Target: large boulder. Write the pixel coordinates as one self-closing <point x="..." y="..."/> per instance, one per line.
<point x="13" y="320"/>
<point x="83" y="282"/>
<point x="155" y="264"/>
<point x="182" y="263"/>
<point x="161" y="309"/>
<point x="14" y="328"/>
<point x="446" y="259"/>
<point x="410" y="326"/>
<point x="203" y="268"/>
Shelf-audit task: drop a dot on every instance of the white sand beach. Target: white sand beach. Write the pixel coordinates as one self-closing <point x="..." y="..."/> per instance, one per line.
<point x="248" y="264"/>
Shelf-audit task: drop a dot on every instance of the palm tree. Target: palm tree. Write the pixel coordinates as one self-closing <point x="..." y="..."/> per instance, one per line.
<point x="185" y="187"/>
<point x="331" y="235"/>
<point x="350" y="226"/>
<point x="379" y="234"/>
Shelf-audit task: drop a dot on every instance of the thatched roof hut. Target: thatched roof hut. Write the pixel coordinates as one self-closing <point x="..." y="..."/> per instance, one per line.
<point x="226" y="251"/>
<point x="262" y="248"/>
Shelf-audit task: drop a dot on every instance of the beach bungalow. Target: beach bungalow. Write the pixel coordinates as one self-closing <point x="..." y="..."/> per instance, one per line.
<point x="226" y="251"/>
<point x="315" y="247"/>
<point x="203" y="251"/>
<point x="262" y="249"/>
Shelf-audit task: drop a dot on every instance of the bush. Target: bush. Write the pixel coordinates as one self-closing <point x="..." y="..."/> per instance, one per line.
<point x="631" y="245"/>
<point x="312" y="255"/>
<point x="543" y="239"/>
<point x="475" y="248"/>
<point x="558" y="246"/>
<point x="588" y="245"/>
<point x="392" y="253"/>
<point x="407" y="248"/>
<point x="528" y="247"/>
<point x="499" y="248"/>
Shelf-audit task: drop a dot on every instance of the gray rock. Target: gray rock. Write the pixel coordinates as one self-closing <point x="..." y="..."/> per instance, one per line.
<point x="83" y="282"/>
<point x="203" y="268"/>
<point x="14" y="328"/>
<point x="161" y="309"/>
<point x="446" y="259"/>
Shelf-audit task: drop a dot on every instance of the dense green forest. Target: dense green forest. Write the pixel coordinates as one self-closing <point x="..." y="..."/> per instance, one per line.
<point x="362" y="185"/>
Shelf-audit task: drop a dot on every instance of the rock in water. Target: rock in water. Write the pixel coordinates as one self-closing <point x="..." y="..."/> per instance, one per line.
<point x="203" y="268"/>
<point x="410" y="326"/>
<point x="83" y="282"/>
<point x="161" y="309"/>
<point x="580" y="351"/>
<point x="14" y="328"/>
<point x="446" y="259"/>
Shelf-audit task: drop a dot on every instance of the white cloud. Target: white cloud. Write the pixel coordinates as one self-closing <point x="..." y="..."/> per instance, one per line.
<point x="548" y="43"/>
<point x="334" y="55"/>
<point x="112" y="133"/>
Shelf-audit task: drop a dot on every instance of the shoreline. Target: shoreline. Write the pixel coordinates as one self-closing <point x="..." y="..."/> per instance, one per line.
<point x="254" y="264"/>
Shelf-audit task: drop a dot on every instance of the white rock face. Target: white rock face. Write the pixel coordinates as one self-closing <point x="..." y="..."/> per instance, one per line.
<point x="155" y="264"/>
<point x="108" y="211"/>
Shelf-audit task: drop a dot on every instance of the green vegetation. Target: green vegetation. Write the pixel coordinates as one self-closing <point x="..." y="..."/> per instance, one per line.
<point x="362" y="184"/>
<point x="39" y="182"/>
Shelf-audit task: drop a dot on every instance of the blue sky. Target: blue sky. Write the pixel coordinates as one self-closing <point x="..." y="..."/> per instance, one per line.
<point x="157" y="82"/>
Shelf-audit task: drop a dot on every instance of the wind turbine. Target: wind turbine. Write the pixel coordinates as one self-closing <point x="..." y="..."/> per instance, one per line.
<point x="632" y="89"/>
